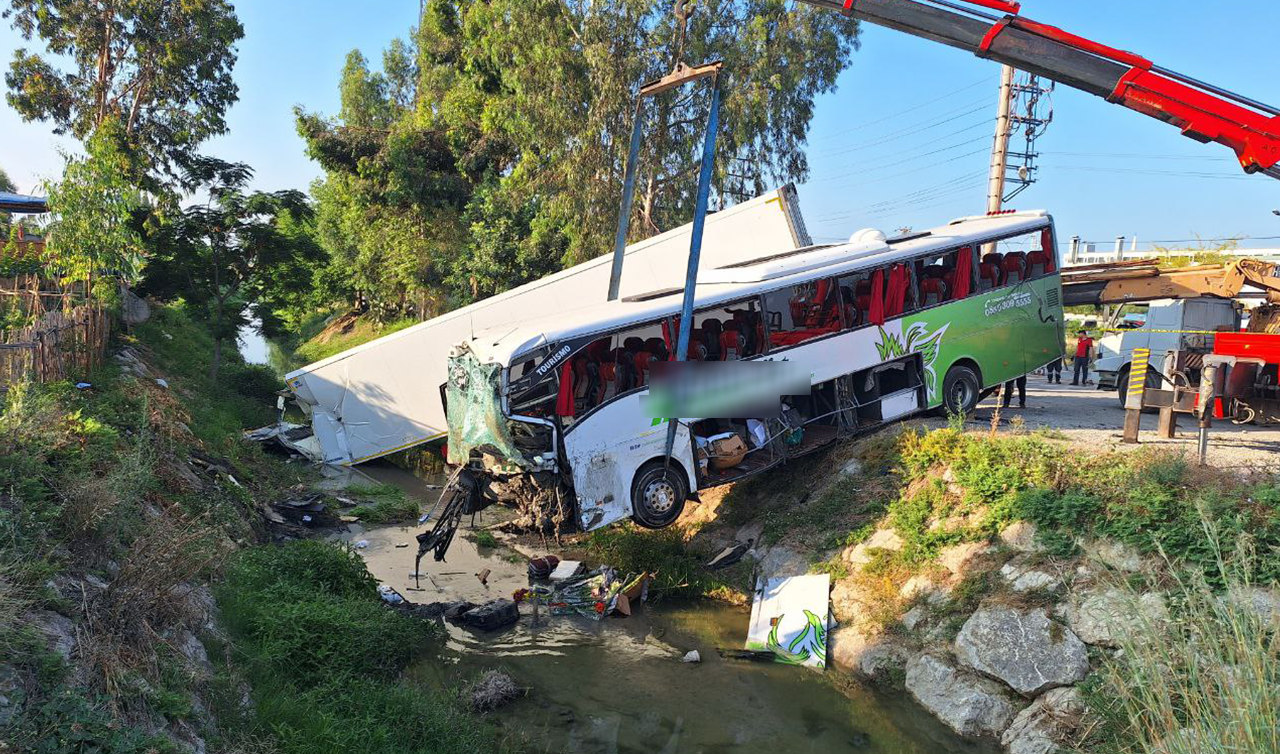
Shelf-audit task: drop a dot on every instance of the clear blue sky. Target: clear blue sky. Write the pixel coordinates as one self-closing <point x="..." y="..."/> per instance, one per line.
<point x="867" y="168"/>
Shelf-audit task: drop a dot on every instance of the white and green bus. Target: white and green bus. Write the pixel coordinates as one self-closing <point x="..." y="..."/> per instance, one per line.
<point x="885" y="328"/>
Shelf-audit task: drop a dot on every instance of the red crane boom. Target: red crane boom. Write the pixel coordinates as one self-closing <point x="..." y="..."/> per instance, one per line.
<point x="1202" y="111"/>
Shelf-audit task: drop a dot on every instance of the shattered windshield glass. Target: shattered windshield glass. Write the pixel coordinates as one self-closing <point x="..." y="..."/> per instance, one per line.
<point x="474" y="411"/>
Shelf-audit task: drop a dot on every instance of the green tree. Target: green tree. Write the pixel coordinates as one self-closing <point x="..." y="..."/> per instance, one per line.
<point x="5" y="185"/>
<point x="160" y="69"/>
<point x="503" y="161"/>
<point x="94" y="231"/>
<point x="225" y="256"/>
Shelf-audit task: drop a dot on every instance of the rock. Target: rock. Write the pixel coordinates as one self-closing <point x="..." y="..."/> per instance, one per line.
<point x="969" y="704"/>
<point x="1023" y="577"/>
<point x="1046" y="726"/>
<point x="1118" y="555"/>
<point x="1264" y="602"/>
<point x="58" y="631"/>
<point x="850" y="599"/>
<point x="920" y="586"/>
<point x="1023" y="648"/>
<point x="957" y="557"/>
<point x="864" y="653"/>
<point x="190" y="647"/>
<point x="882" y="539"/>
<point x="914" y="617"/>
<point x="1102" y="616"/>
<point x="783" y="561"/>
<point x="1020" y="536"/>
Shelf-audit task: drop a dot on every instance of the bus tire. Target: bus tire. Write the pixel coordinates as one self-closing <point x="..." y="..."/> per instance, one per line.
<point x="961" y="390"/>
<point x="658" y="495"/>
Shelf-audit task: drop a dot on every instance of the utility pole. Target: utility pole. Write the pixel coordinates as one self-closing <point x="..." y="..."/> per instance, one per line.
<point x="1000" y="148"/>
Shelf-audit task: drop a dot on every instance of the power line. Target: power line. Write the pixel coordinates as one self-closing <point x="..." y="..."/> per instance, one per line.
<point x="984" y="123"/>
<point x="912" y="130"/>
<point x="1135" y="155"/>
<point x="1139" y="171"/>
<point x="905" y="172"/>
<point x="904" y="160"/>
<point x="920" y="106"/>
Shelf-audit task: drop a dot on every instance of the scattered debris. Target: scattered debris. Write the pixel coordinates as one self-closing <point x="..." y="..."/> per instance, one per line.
<point x="483" y="575"/>
<point x="567" y="569"/>
<point x="691" y="656"/>
<point x="789" y="618"/>
<point x="490" y="616"/>
<point x="746" y="654"/>
<point x="390" y="596"/>
<point x="730" y="555"/>
<point x="162" y="383"/>
<point x="350" y="520"/>
<point x="542" y="566"/>
<point x="493" y="690"/>
<point x="598" y="594"/>
<point x="83" y="386"/>
<point x="401" y="545"/>
<point x="362" y="544"/>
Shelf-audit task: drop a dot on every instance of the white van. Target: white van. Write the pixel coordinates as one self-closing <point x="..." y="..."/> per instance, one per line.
<point x="1171" y="325"/>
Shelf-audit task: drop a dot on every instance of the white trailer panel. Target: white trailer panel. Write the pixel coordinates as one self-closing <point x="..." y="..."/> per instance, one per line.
<point x="384" y="396"/>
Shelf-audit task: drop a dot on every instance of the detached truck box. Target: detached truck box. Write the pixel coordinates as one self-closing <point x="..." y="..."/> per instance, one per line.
<point x="385" y="395"/>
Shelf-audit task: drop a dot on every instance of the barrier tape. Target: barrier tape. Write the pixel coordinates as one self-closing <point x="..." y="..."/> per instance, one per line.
<point x="1181" y="332"/>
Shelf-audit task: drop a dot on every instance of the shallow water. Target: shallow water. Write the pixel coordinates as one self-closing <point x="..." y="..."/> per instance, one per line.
<point x="618" y="685"/>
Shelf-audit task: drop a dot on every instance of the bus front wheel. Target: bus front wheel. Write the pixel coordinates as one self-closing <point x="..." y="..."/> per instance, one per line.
<point x="658" y="494"/>
<point x="960" y="390"/>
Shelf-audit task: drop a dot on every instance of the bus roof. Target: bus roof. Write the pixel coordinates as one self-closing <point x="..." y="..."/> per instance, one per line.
<point x="727" y="284"/>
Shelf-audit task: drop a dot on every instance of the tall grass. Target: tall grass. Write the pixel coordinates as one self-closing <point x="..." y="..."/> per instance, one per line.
<point x="1203" y="682"/>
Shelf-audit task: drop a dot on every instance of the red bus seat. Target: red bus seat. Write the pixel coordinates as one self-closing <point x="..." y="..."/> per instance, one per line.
<point x="1015" y="267"/>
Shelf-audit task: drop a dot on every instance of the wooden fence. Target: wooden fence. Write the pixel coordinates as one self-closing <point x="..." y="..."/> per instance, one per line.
<point x="63" y="336"/>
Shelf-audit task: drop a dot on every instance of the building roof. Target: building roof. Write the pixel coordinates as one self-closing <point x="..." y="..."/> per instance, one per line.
<point x="23" y="203"/>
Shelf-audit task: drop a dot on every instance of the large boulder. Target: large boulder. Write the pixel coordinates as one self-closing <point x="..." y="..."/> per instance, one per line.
<point x="1047" y="725"/>
<point x="868" y="654"/>
<point x="1023" y="648"/>
<point x="969" y="704"/>
<point x="1102" y="616"/>
<point x="851" y="600"/>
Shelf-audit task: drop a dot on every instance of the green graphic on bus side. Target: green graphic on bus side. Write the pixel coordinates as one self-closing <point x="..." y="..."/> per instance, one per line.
<point x="916" y="339"/>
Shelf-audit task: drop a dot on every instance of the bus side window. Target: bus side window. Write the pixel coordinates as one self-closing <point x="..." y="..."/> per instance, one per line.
<point x="803" y="312"/>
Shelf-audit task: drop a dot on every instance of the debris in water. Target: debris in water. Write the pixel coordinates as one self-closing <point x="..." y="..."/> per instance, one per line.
<point x="746" y="654"/>
<point x="691" y="656"/>
<point x="567" y="569"/>
<point x="542" y="566"/>
<point x="487" y="617"/>
<point x="483" y="575"/>
<point x="789" y="618"/>
<point x="729" y="555"/>
<point x="493" y="690"/>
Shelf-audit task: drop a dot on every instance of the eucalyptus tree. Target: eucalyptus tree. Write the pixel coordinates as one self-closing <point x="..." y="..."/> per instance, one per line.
<point x="160" y="69"/>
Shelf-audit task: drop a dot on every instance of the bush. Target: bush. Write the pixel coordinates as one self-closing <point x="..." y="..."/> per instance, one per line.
<point x="677" y="570"/>
<point x="324" y="657"/>
<point x="1203" y="684"/>
<point x="257" y="382"/>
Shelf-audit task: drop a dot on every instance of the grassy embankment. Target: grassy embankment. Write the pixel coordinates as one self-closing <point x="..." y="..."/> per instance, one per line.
<point x="1205" y="534"/>
<point x="106" y="519"/>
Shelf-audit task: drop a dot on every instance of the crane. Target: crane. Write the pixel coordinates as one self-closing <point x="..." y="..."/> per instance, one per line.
<point x="1202" y="111"/>
<point x="1141" y="280"/>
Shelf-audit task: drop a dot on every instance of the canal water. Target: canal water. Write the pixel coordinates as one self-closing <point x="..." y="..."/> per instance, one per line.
<point x="618" y="685"/>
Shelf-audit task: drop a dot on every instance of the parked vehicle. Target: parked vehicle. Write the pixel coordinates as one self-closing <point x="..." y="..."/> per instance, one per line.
<point x="1181" y="325"/>
<point x="877" y="329"/>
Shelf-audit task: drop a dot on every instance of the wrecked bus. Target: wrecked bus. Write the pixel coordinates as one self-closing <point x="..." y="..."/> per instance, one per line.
<point x="555" y="409"/>
<point x="385" y="396"/>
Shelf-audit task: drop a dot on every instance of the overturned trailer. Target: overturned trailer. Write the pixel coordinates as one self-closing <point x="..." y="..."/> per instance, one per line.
<point x="387" y="395"/>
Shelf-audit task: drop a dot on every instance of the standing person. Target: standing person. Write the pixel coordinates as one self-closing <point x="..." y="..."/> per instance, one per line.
<point x="1053" y="371"/>
<point x="1021" y="383"/>
<point x="1084" y="348"/>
